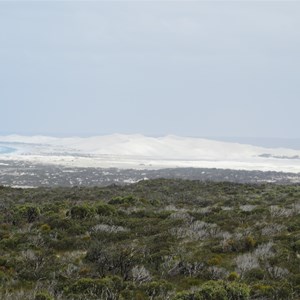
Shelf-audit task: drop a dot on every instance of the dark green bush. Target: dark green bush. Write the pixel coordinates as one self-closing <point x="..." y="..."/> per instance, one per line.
<point x="105" y="210"/>
<point x="81" y="212"/>
<point x="102" y="288"/>
<point x="43" y="296"/>
<point x="28" y="212"/>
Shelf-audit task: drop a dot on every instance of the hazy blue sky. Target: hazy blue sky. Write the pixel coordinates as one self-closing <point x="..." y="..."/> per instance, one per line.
<point x="187" y="68"/>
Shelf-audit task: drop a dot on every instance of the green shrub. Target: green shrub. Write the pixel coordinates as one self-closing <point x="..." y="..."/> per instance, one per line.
<point x="127" y="200"/>
<point x="215" y="261"/>
<point x="233" y="276"/>
<point x="262" y="290"/>
<point x="97" y="287"/>
<point x="237" y="291"/>
<point x="45" y="228"/>
<point x="3" y="277"/>
<point x="28" y="212"/>
<point x="81" y="212"/>
<point x="249" y="243"/>
<point x="212" y="290"/>
<point x="157" y="289"/>
<point x="43" y="296"/>
<point x="297" y="246"/>
<point x="255" y="274"/>
<point x="185" y="295"/>
<point x="3" y="261"/>
<point x="217" y="290"/>
<point x="105" y="210"/>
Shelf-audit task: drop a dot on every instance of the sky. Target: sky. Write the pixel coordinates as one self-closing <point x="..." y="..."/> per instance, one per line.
<point x="188" y="68"/>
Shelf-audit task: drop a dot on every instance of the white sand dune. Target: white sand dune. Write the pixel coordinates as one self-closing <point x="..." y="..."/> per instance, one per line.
<point x="141" y="152"/>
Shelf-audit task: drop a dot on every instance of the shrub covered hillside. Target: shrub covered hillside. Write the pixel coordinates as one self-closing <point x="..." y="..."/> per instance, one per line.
<point x="160" y="239"/>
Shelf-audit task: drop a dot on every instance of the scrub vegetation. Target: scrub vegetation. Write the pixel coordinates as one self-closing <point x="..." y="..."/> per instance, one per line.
<point x="157" y="239"/>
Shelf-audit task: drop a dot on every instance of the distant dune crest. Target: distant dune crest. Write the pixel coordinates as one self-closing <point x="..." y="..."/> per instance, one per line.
<point x="138" y="151"/>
